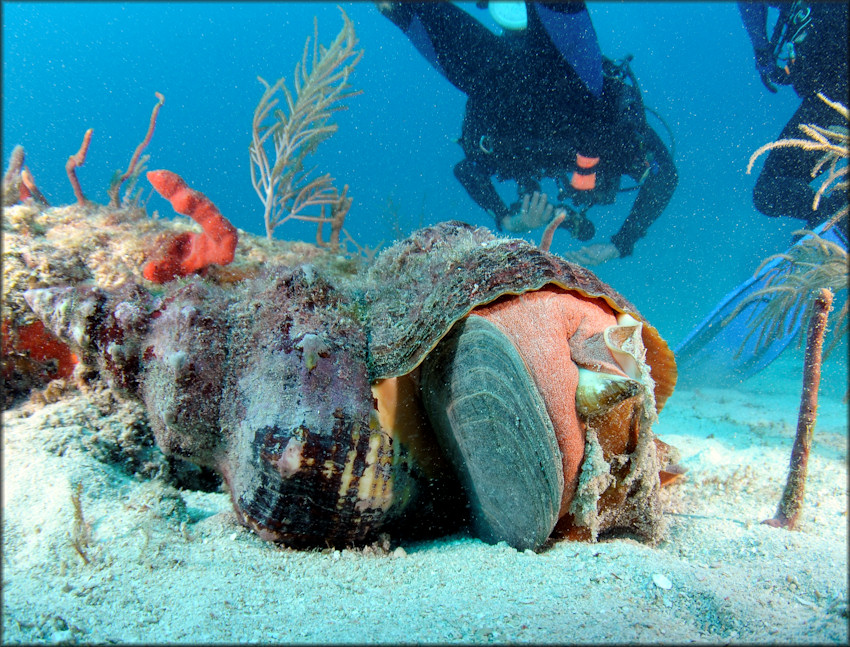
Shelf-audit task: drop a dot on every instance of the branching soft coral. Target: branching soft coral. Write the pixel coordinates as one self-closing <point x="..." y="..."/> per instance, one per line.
<point x="809" y="266"/>
<point x="831" y="141"/>
<point x="800" y="286"/>
<point x="321" y="85"/>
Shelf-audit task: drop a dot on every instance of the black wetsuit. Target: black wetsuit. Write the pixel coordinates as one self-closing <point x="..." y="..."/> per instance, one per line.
<point x="820" y="65"/>
<point x="534" y="104"/>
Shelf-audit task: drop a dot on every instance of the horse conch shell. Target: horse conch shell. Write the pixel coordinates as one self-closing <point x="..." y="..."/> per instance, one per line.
<point x="463" y="374"/>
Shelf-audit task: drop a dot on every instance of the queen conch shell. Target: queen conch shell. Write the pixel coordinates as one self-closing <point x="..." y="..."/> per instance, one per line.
<point x="463" y="376"/>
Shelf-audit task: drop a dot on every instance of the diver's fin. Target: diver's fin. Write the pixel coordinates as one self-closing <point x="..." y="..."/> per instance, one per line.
<point x="713" y="353"/>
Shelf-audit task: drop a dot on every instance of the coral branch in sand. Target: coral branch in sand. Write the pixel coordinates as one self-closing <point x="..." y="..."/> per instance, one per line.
<point x="189" y="252"/>
<point x="78" y="159"/>
<point x="791" y="504"/>
<point x="115" y="187"/>
<point x="81" y="530"/>
<point x="546" y="240"/>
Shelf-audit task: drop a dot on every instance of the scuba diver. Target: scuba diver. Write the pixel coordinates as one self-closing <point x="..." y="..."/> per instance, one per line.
<point x="807" y="50"/>
<point x="542" y="102"/>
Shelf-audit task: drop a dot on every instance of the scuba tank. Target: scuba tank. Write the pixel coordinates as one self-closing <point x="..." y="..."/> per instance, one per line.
<point x="627" y="118"/>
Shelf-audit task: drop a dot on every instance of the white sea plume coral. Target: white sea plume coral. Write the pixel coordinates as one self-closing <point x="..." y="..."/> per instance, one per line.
<point x="295" y="131"/>
<point x="791" y="285"/>
<point x="814" y="263"/>
<point x="832" y="142"/>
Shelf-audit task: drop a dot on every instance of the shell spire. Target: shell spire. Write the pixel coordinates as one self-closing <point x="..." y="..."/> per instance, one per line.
<point x="105" y="329"/>
<point x="267" y="384"/>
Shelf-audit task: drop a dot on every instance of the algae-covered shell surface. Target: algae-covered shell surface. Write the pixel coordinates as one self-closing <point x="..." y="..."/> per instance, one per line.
<point x="421" y="286"/>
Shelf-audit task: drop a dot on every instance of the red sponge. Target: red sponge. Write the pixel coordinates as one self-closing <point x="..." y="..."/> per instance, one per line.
<point x="188" y="252"/>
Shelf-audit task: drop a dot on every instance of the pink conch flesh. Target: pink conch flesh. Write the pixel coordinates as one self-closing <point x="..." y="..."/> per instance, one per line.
<point x="555" y="331"/>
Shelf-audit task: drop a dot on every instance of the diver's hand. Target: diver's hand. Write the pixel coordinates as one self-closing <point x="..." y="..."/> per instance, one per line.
<point x="591" y="255"/>
<point x="534" y="212"/>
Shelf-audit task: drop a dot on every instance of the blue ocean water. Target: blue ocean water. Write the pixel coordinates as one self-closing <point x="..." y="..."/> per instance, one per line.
<point x="71" y="66"/>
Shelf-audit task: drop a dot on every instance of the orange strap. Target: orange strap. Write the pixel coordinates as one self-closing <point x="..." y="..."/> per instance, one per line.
<point x="586" y="162"/>
<point x="582" y="182"/>
<point x="584" y="179"/>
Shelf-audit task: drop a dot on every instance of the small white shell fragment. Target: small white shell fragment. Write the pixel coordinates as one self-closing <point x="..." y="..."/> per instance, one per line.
<point x="662" y="581"/>
<point x="60" y="637"/>
<point x="804" y="602"/>
<point x="399" y="552"/>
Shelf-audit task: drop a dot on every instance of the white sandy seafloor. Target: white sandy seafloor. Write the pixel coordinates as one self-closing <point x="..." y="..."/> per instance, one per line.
<point x="162" y="572"/>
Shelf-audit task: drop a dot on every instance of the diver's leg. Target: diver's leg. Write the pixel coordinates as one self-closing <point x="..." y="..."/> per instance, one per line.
<point x="563" y="43"/>
<point x="782" y="188"/>
<point x="458" y="46"/>
<point x="569" y="29"/>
